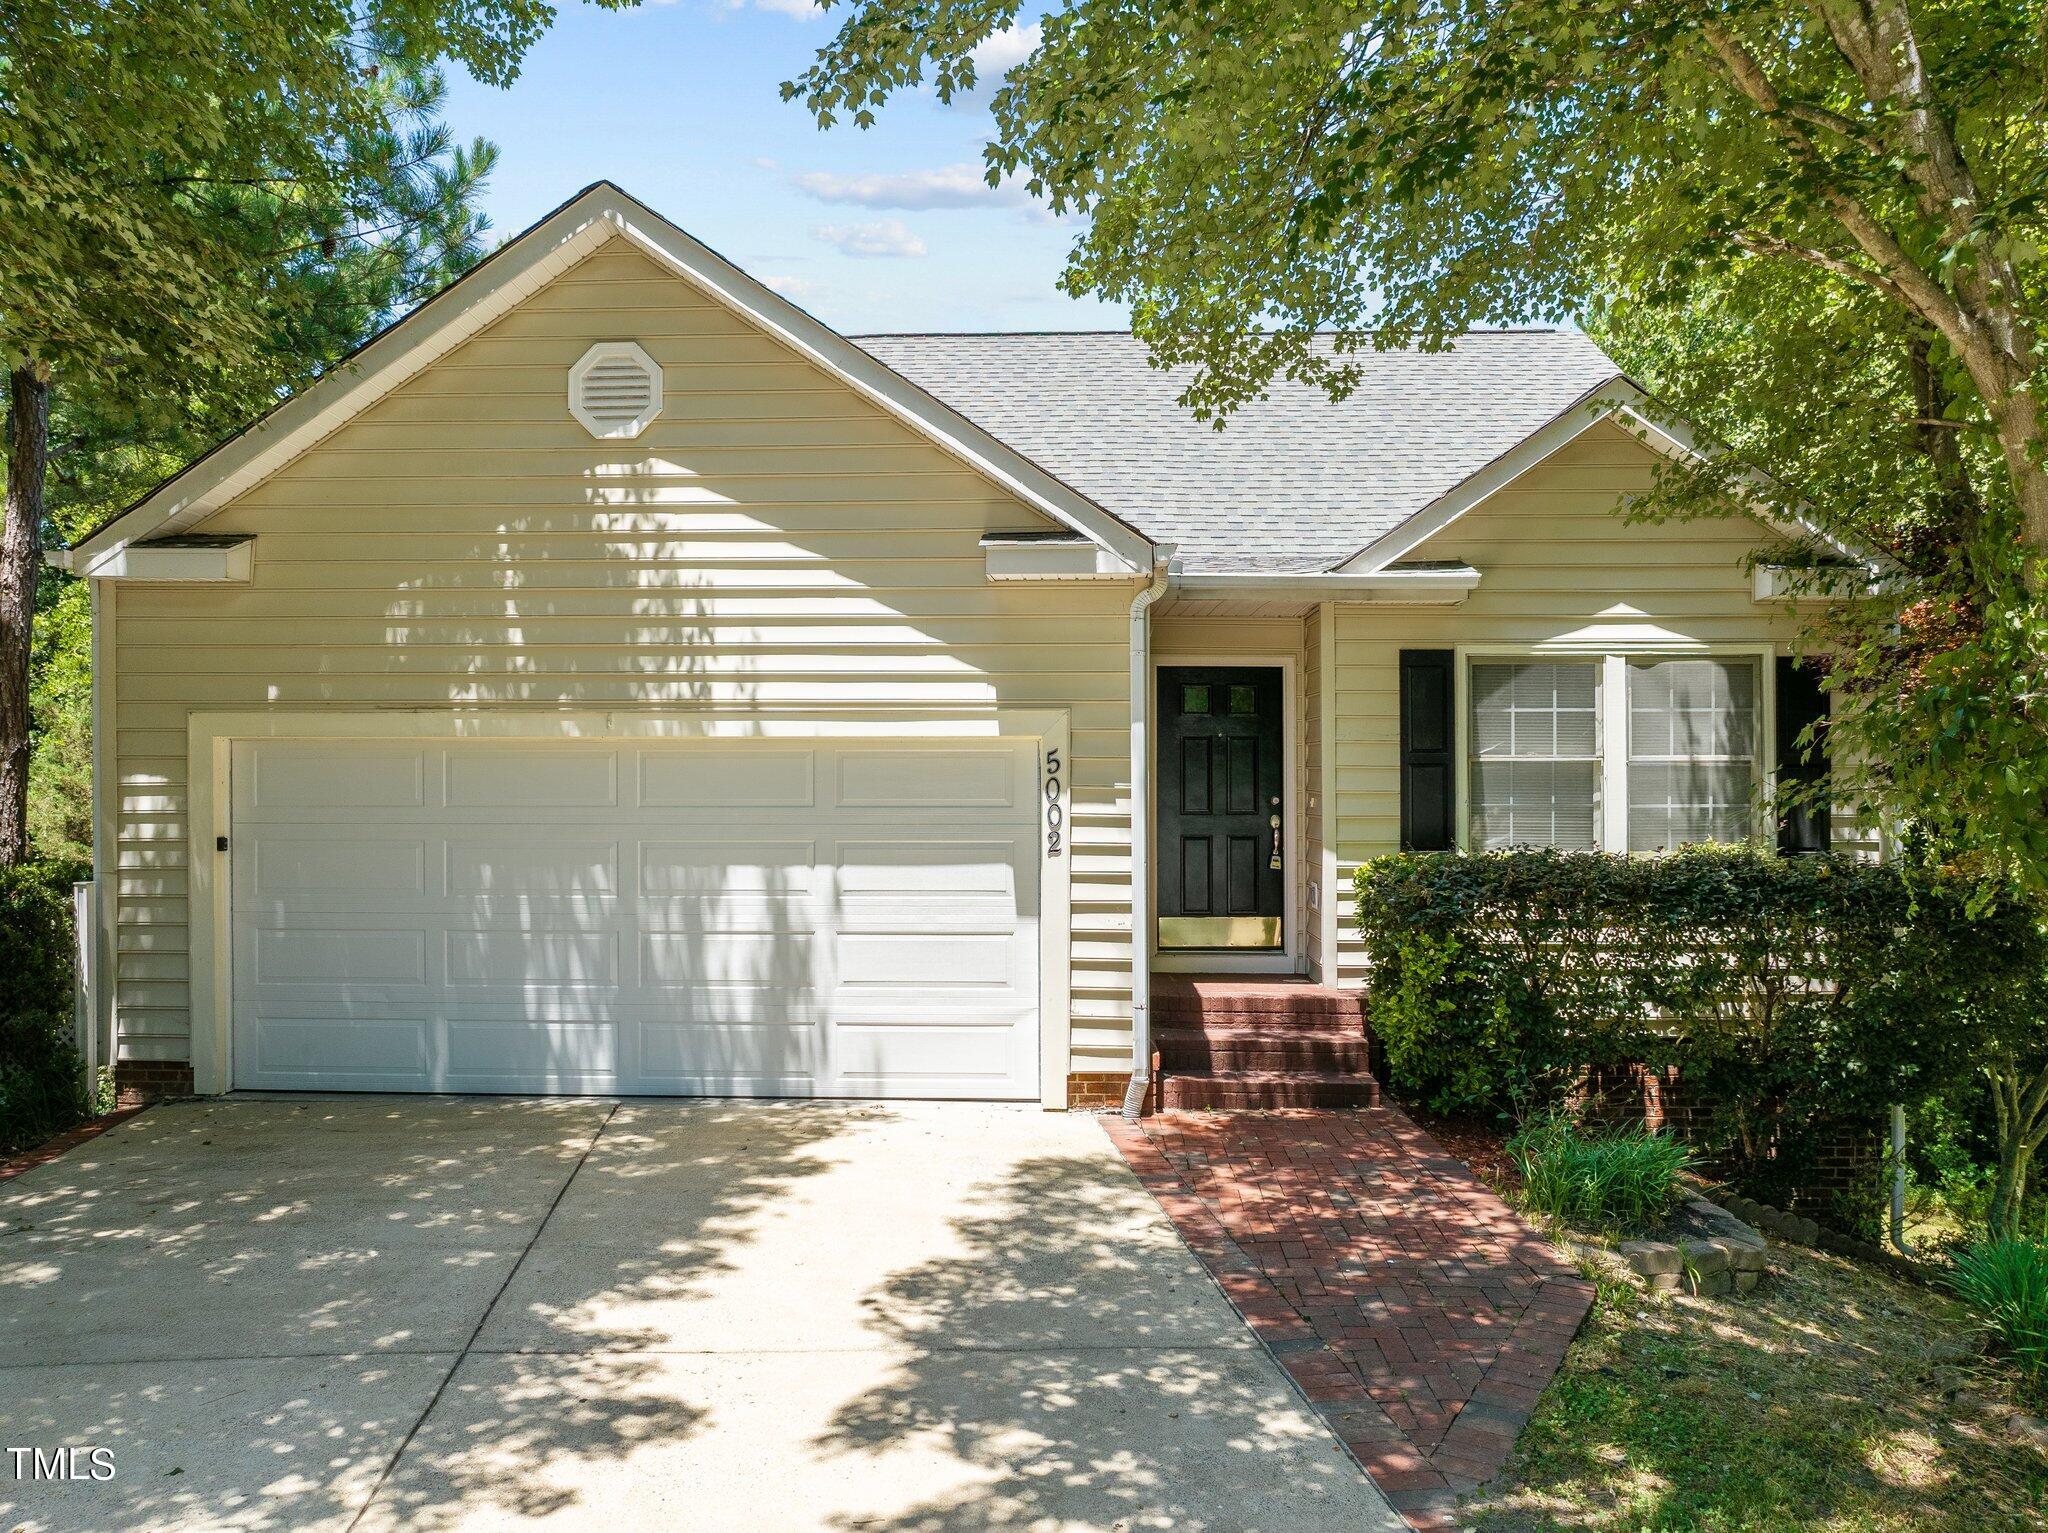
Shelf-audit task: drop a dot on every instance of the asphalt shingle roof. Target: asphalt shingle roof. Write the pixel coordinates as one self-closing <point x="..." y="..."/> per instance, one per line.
<point x="1293" y="482"/>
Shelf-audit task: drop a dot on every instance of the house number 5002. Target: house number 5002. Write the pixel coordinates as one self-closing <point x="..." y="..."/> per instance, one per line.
<point x="1055" y="816"/>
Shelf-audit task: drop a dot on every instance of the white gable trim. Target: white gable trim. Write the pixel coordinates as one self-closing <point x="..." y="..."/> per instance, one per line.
<point x="601" y="213"/>
<point x="1617" y="400"/>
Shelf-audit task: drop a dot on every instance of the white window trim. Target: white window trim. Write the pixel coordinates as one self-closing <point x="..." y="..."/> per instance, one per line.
<point x="1611" y="785"/>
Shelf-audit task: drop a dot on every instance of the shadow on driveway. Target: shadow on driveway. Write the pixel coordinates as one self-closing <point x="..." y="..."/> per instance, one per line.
<point x="427" y="1314"/>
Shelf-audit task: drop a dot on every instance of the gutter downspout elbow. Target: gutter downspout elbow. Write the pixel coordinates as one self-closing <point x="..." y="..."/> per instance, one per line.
<point x="1141" y="822"/>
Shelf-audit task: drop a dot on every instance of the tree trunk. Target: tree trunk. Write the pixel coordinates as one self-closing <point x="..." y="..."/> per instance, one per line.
<point x="2022" y="1110"/>
<point x="2009" y="1191"/>
<point x="28" y="442"/>
<point x="1941" y="446"/>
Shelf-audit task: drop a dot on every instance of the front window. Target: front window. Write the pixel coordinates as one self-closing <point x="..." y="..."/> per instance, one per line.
<point x="1535" y="755"/>
<point x="1691" y="752"/>
<point x="1635" y="753"/>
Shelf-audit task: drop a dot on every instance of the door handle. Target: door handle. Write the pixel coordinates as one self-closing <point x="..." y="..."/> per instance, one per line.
<point x="1274" y="820"/>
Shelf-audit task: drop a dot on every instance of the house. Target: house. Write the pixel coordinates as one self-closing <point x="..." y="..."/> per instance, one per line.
<point x="614" y="680"/>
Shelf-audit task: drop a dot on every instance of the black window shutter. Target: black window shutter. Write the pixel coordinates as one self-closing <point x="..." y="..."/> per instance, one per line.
<point x="1801" y="701"/>
<point x="1429" y="735"/>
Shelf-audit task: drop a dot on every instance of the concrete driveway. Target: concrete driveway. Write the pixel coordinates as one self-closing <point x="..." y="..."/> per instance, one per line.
<point x="384" y="1314"/>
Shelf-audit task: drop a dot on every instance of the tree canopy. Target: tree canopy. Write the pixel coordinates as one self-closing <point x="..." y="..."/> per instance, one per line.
<point x="206" y="204"/>
<point x="173" y="167"/>
<point x="1814" y="229"/>
<point x="1401" y="170"/>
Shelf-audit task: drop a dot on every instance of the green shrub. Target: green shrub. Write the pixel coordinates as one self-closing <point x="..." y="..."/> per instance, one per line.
<point x="1620" y="1179"/>
<point x="2006" y="1283"/>
<point x="42" y="1086"/>
<point x="1795" y="993"/>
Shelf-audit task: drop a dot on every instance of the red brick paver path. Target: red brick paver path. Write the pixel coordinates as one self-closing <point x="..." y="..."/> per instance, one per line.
<point x="1411" y="1305"/>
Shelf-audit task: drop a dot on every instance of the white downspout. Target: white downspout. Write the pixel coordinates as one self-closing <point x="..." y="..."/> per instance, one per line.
<point x="1141" y="835"/>
<point x="104" y="596"/>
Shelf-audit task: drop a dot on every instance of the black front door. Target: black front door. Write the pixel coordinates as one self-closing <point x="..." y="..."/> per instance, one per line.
<point x="1221" y="884"/>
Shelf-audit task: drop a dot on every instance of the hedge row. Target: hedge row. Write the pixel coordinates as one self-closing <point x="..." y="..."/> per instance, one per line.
<point x="42" y="1084"/>
<point x="1790" y="991"/>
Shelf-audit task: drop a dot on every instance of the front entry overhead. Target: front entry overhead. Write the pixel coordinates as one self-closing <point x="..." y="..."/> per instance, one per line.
<point x="756" y="918"/>
<point x="1222" y="881"/>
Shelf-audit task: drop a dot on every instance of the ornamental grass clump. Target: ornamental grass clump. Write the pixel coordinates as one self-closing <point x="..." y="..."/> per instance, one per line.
<point x="2006" y="1283"/>
<point x="1623" y="1179"/>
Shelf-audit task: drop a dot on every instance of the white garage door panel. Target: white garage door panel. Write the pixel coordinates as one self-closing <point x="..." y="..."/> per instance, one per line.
<point x="549" y="1056"/>
<point x="768" y="779"/>
<point x="920" y="779"/>
<point x="535" y="867"/>
<point x="317" y="865"/>
<point x="393" y="1049"/>
<point x="838" y="920"/>
<point x="535" y="779"/>
<point x="340" y="957"/>
<point x="718" y="870"/>
<point x="677" y="1053"/>
<point x="313" y="779"/>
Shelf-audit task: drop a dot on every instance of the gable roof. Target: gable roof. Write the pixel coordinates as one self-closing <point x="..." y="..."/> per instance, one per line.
<point x="1294" y="482"/>
<point x="1077" y="425"/>
<point x="598" y="214"/>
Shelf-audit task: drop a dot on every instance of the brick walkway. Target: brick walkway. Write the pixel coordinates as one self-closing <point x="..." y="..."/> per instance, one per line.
<point x="1418" y="1313"/>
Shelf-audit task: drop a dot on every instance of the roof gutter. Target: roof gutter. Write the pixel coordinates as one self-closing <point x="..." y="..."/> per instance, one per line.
<point x="1141" y="821"/>
<point x="1435" y="585"/>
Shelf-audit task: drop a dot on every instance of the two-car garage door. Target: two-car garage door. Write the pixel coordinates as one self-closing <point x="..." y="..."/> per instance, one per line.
<point x="695" y="918"/>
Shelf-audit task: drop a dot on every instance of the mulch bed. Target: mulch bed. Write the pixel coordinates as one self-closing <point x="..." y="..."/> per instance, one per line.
<point x="1479" y="1140"/>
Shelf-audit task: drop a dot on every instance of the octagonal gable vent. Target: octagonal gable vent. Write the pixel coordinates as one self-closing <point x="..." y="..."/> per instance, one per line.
<point x="615" y="389"/>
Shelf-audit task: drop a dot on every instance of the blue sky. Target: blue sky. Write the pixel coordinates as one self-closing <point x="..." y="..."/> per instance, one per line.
<point x="888" y="229"/>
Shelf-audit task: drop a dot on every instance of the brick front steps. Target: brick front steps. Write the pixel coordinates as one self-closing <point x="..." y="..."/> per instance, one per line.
<point x="1225" y="1042"/>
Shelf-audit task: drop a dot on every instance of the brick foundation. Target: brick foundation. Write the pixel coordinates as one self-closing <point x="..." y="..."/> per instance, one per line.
<point x="1103" y="1091"/>
<point x="140" y="1081"/>
<point x="1845" y="1160"/>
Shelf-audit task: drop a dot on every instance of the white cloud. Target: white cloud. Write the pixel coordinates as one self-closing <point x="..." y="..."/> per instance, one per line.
<point x="950" y="186"/>
<point x="1003" y="51"/>
<point x="802" y="10"/>
<point x="795" y="289"/>
<point x="882" y="239"/>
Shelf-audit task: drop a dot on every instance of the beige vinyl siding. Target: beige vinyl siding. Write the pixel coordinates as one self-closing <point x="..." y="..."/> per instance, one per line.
<point x="772" y="545"/>
<point x="1561" y="570"/>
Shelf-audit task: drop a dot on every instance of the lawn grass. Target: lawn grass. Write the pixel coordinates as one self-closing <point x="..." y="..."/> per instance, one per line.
<point x="1832" y="1398"/>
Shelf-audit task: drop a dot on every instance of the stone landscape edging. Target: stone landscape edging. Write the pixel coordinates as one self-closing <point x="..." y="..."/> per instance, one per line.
<point x="1802" y="1231"/>
<point x="1728" y="1259"/>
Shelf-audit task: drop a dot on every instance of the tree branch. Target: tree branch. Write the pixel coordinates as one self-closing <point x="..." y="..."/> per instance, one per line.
<point x="1876" y="38"/>
<point x="1910" y="283"/>
<point x="1835" y="123"/>
<point x="1771" y="245"/>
